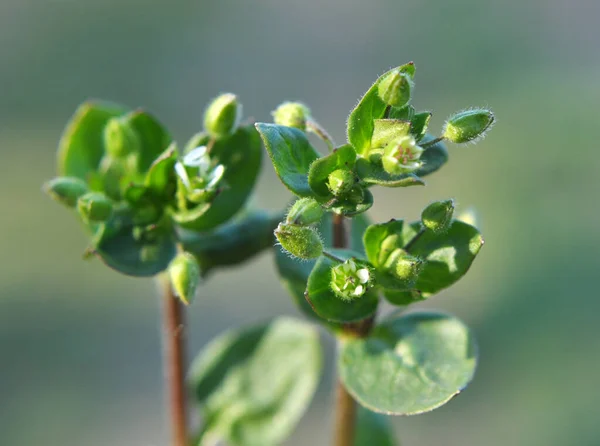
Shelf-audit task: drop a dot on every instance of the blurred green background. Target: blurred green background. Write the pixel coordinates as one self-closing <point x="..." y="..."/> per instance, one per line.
<point x="79" y="346"/>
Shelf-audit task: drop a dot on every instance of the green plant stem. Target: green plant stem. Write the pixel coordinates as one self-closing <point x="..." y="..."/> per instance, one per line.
<point x="315" y="127"/>
<point x="332" y="257"/>
<point x="432" y="142"/>
<point x="345" y="406"/>
<point x="414" y="240"/>
<point x="174" y="363"/>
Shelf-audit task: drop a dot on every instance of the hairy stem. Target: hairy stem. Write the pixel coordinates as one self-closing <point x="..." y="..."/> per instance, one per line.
<point x="432" y="142"/>
<point x="174" y="363"/>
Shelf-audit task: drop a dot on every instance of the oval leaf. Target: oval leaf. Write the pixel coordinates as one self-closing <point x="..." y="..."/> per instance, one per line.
<point x="360" y="124"/>
<point x="329" y="306"/>
<point x="291" y="154"/>
<point x="409" y="365"/>
<point x="241" y="155"/>
<point x="232" y="243"/>
<point x="81" y="146"/>
<point x="253" y="385"/>
<point x="448" y="256"/>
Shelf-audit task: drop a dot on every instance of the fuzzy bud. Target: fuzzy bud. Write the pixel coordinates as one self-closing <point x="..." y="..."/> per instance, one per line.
<point x="95" y="206"/>
<point x="395" y="88"/>
<point x="404" y="267"/>
<point x="300" y="241"/>
<point x="120" y="139"/>
<point x="66" y="190"/>
<point x="305" y="212"/>
<point x="350" y="280"/>
<point x="340" y="182"/>
<point x="437" y="217"/>
<point x="184" y="273"/>
<point x="292" y="114"/>
<point x="223" y="115"/>
<point x="468" y="125"/>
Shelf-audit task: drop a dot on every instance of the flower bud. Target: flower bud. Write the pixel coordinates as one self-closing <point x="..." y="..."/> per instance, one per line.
<point x="292" y="114"/>
<point x="468" y="125"/>
<point x="404" y="267"/>
<point x="402" y="156"/>
<point x="437" y="217"/>
<point x="349" y="280"/>
<point x="340" y="182"/>
<point x="120" y="139"/>
<point x="185" y="276"/>
<point x="300" y="241"/>
<point x="66" y="190"/>
<point x="305" y="212"/>
<point x="95" y="206"/>
<point x="395" y="88"/>
<point x="223" y="116"/>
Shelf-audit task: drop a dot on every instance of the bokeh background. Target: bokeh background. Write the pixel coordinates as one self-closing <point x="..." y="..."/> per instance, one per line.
<point x="79" y="344"/>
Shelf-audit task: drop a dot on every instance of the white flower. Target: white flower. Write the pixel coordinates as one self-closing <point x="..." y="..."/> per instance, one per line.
<point x="198" y="174"/>
<point x="349" y="281"/>
<point x="402" y="156"/>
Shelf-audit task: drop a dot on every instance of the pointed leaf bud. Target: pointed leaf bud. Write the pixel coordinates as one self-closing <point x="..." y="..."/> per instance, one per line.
<point x="395" y="88"/>
<point x="305" y="212"/>
<point x="437" y="217"/>
<point x="95" y="206"/>
<point x="340" y="182"/>
<point x="120" y="138"/>
<point x="350" y="280"/>
<point x="223" y="115"/>
<point x="66" y="190"/>
<point x="185" y="276"/>
<point x="300" y="241"/>
<point x="468" y="125"/>
<point x="402" y="156"/>
<point x="292" y="114"/>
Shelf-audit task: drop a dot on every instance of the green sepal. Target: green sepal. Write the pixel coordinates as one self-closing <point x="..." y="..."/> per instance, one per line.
<point x="241" y="155"/>
<point x="81" y="146"/>
<point x="448" y="256"/>
<point x="372" y="173"/>
<point x="326" y="303"/>
<point x="360" y="124"/>
<point x="291" y="155"/>
<point x="184" y="273"/>
<point x="388" y="130"/>
<point x="123" y="246"/>
<point x="232" y="243"/>
<point x="409" y="364"/>
<point x="343" y="157"/>
<point x="294" y="273"/>
<point x="253" y="385"/>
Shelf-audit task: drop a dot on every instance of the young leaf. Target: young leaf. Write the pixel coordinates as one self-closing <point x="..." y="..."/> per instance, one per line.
<point x="241" y="155"/>
<point x="291" y="154"/>
<point x="410" y="364"/>
<point x="233" y="242"/>
<point x="253" y="385"/>
<point x="327" y="304"/>
<point x="343" y="157"/>
<point x="360" y="124"/>
<point x="419" y="124"/>
<point x="373" y="428"/>
<point x="447" y="256"/>
<point x="81" y="146"/>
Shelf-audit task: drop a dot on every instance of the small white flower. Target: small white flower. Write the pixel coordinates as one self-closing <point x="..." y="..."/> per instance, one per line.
<point x="198" y="175"/>
<point x="402" y="156"/>
<point x="348" y="281"/>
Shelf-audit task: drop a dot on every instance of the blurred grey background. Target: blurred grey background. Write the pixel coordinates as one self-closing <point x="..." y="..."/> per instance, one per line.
<point x="79" y="344"/>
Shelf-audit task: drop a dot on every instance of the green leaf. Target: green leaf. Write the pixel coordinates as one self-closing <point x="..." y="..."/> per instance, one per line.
<point x="372" y="173"/>
<point x="419" y="124"/>
<point x="433" y="157"/>
<point x="253" y="385"/>
<point x="360" y="124"/>
<point x="387" y="130"/>
<point x="119" y="246"/>
<point x="373" y="429"/>
<point x="294" y="273"/>
<point x="448" y="256"/>
<point x="291" y="154"/>
<point x="161" y="179"/>
<point x="410" y="364"/>
<point x="331" y="307"/>
<point x="154" y="138"/>
<point x="241" y="155"/>
<point x="381" y="239"/>
<point x="81" y="146"/>
<point x="343" y="157"/>
<point x="232" y="243"/>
